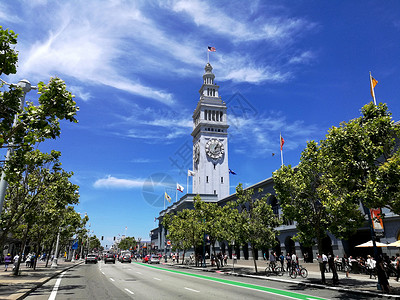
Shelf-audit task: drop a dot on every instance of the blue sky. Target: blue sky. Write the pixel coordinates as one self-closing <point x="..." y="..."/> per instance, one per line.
<point x="135" y="67"/>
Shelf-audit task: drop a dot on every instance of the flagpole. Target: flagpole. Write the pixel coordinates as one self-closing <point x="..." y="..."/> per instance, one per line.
<point x="208" y="56"/>
<point x="164" y="200"/>
<point x="280" y="143"/>
<point x="176" y="195"/>
<point x="187" y="183"/>
<point x="372" y="87"/>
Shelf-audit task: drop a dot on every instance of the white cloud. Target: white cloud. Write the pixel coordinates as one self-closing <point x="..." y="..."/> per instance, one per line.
<point x="263" y="132"/>
<point x="272" y="28"/>
<point x="118" y="183"/>
<point x="7" y="16"/>
<point x="304" y="57"/>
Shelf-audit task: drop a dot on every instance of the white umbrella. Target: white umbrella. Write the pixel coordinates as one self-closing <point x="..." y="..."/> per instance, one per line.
<point x="369" y="244"/>
<point x="395" y="244"/>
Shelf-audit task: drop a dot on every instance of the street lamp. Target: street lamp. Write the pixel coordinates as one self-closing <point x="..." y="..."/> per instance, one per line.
<point x="54" y="263"/>
<point x="26" y="86"/>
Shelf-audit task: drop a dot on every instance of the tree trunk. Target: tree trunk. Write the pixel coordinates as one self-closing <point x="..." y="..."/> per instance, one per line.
<point x="49" y="254"/>
<point x="254" y="258"/>
<point x="16" y="269"/>
<point x="183" y="257"/>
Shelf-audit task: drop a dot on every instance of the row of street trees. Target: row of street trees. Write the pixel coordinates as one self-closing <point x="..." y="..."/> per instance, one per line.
<point x="358" y="164"/>
<point x="40" y="198"/>
<point x="246" y="220"/>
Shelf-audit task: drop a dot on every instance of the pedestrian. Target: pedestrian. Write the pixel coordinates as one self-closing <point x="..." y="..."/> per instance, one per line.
<point x="282" y="260"/>
<point x="226" y="259"/>
<point x="294" y="260"/>
<point x="272" y="259"/>
<point x="332" y="266"/>
<point x="16" y="258"/>
<point x="322" y="267"/>
<point x="397" y="266"/>
<point x="382" y="276"/>
<point x="28" y="261"/>
<point x="345" y="264"/>
<point x="288" y="261"/>
<point x="325" y="262"/>
<point x="371" y="265"/>
<point x="7" y="261"/>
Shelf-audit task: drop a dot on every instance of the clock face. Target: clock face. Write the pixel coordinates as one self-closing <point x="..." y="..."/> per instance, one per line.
<point x="196" y="153"/>
<point x="214" y="149"/>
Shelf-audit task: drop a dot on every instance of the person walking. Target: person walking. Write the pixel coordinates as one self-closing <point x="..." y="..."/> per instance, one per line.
<point x="345" y="264"/>
<point x="272" y="259"/>
<point x="332" y="266"/>
<point x="7" y="261"/>
<point x="288" y="261"/>
<point x="397" y="266"/>
<point x="16" y="258"/>
<point x="321" y="267"/>
<point x="282" y="260"/>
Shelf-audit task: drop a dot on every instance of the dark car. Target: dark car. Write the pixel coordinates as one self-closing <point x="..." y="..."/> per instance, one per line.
<point x="91" y="258"/>
<point x="109" y="257"/>
<point x="126" y="258"/>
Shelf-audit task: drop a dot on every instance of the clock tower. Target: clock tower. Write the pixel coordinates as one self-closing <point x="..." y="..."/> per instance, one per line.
<point x="210" y="140"/>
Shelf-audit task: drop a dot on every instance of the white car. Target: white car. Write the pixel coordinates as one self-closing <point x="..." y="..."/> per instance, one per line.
<point x="154" y="259"/>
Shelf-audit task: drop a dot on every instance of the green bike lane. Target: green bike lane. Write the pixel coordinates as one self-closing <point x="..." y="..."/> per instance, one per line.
<point x="255" y="287"/>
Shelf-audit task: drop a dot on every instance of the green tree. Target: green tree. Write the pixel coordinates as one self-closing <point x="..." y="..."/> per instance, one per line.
<point x="255" y="222"/>
<point x="127" y="243"/>
<point x="305" y="198"/>
<point x="363" y="159"/>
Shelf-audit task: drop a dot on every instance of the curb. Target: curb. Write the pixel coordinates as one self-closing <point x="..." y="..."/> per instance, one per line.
<point x="320" y="286"/>
<point x="22" y="293"/>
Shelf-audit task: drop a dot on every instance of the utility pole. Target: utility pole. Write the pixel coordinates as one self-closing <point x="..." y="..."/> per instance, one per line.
<point x="26" y="86"/>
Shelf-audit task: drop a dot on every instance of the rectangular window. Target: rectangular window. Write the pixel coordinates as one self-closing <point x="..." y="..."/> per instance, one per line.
<point x="222" y="179"/>
<point x="215" y="192"/>
<point x="207" y="179"/>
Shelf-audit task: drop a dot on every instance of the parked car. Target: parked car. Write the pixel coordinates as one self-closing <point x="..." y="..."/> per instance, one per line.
<point x="109" y="257"/>
<point x="154" y="259"/>
<point x="126" y="258"/>
<point x="91" y="258"/>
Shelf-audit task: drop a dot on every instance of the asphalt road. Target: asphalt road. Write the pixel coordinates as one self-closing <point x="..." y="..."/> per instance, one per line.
<point x="142" y="281"/>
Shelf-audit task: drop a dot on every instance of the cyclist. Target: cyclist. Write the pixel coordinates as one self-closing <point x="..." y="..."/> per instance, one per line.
<point x="272" y="260"/>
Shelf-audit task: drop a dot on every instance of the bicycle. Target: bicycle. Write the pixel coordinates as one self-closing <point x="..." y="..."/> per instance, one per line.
<point x="272" y="269"/>
<point x="298" y="270"/>
<point x="189" y="261"/>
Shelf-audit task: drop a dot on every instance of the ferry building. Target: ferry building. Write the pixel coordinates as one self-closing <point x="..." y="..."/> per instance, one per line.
<point x="211" y="182"/>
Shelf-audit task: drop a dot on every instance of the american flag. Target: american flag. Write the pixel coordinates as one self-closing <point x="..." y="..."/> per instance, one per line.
<point x="211" y="49"/>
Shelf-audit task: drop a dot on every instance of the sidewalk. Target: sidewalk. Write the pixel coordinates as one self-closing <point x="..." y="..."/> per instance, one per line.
<point x="17" y="287"/>
<point x="355" y="283"/>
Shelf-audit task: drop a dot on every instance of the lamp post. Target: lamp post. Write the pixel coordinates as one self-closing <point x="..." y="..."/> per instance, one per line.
<point x="26" y="86"/>
<point x="54" y="263"/>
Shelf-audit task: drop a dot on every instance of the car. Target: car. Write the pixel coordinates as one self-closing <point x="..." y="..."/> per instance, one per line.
<point x="109" y="257"/>
<point x="154" y="259"/>
<point x="91" y="258"/>
<point x="126" y="258"/>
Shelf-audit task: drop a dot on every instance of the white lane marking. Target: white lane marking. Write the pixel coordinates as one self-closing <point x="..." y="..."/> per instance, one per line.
<point x="130" y="292"/>
<point x="139" y="273"/>
<point x="103" y="273"/>
<point x="55" y="288"/>
<point x="112" y="279"/>
<point x="157" y="278"/>
<point x="192" y="290"/>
